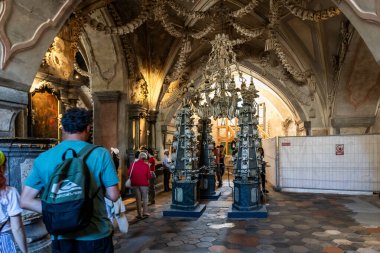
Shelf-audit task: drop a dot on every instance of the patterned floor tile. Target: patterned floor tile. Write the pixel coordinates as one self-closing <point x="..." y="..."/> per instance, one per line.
<point x="297" y="222"/>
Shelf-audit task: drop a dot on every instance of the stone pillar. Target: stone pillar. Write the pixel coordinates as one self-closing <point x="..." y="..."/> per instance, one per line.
<point x="184" y="173"/>
<point x="152" y="119"/>
<point x="135" y="112"/>
<point x="307" y="126"/>
<point x="106" y="118"/>
<point x="12" y="101"/>
<point x="247" y="194"/>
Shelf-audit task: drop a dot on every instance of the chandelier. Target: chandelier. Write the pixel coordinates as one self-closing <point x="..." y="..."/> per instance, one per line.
<point x="218" y="95"/>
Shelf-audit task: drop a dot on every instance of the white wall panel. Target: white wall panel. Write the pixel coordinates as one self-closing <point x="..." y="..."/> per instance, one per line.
<point x="312" y="163"/>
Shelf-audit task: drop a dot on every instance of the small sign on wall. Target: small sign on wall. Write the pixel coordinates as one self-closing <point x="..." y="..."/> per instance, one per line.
<point x="339" y="149"/>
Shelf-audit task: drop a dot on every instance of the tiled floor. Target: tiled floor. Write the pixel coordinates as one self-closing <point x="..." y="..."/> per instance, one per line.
<point x="297" y="222"/>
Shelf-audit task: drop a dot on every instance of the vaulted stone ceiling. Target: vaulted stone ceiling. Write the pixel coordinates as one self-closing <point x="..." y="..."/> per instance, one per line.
<point x="309" y="48"/>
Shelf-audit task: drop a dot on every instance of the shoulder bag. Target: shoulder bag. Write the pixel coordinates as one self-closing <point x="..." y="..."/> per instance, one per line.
<point x="128" y="183"/>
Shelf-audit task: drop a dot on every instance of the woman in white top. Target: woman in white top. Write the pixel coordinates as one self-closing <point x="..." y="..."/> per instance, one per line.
<point x="10" y="215"/>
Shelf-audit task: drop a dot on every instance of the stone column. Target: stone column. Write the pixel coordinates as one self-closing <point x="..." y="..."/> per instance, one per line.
<point x="206" y="162"/>
<point x="135" y="112"/>
<point x="152" y="119"/>
<point x="106" y="118"/>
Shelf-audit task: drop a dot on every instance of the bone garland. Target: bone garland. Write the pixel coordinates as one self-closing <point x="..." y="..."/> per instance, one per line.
<point x="298" y="75"/>
<point x="245" y="10"/>
<point x="239" y="41"/>
<point x="311" y="15"/>
<point x="247" y="32"/>
<point x="204" y="32"/>
<point x="162" y="16"/>
<point x="180" y="65"/>
<point x="130" y="27"/>
<point x="189" y="14"/>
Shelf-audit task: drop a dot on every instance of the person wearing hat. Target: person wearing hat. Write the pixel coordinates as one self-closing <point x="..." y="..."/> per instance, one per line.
<point x="10" y="215"/>
<point x="115" y="157"/>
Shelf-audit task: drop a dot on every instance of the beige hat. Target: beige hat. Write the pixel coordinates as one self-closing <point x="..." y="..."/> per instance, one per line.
<point x="115" y="151"/>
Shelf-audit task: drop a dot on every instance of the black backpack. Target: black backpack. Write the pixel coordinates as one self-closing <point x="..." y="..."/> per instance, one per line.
<point x="67" y="200"/>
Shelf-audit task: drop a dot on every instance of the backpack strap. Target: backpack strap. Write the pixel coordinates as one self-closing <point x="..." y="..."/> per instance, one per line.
<point x="83" y="153"/>
<point x="69" y="149"/>
<point x="86" y="150"/>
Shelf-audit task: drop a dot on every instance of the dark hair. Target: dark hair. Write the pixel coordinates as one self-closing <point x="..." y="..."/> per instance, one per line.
<point x="76" y="120"/>
<point x="261" y="150"/>
<point x="137" y="154"/>
<point x="150" y="151"/>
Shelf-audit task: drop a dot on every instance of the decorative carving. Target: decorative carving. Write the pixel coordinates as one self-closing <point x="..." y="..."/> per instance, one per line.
<point x="46" y="86"/>
<point x="345" y="36"/>
<point x="285" y="125"/>
<point x="139" y="91"/>
<point x="81" y="71"/>
<point x="59" y="59"/>
<point x="10" y="50"/>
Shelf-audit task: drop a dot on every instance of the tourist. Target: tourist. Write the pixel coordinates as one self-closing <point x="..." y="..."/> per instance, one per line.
<point x="10" y="215"/>
<point x="262" y="164"/>
<point x="166" y="170"/>
<point x="76" y="127"/>
<point x="215" y="152"/>
<point x="152" y="180"/>
<point x="222" y="154"/>
<point x="139" y="173"/>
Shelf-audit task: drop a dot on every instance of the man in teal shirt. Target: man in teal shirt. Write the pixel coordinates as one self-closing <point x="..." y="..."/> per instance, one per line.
<point x="97" y="236"/>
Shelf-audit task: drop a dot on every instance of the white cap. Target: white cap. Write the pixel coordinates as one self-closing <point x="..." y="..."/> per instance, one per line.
<point x="115" y="151"/>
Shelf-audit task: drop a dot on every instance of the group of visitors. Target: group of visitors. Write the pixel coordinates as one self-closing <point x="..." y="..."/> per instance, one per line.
<point x="143" y="179"/>
<point x="219" y="155"/>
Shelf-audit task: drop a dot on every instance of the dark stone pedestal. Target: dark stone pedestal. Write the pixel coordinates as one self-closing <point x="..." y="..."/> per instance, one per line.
<point x="207" y="187"/>
<point x="184" y="200"/>
<point x="246" y="195"/>
<point x="195" y="213"/>
<point x="260" y="212"/>
<point x="247" y="201"/>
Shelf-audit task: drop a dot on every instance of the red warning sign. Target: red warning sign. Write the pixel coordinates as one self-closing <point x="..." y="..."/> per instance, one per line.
<point x="339" y="149"/>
